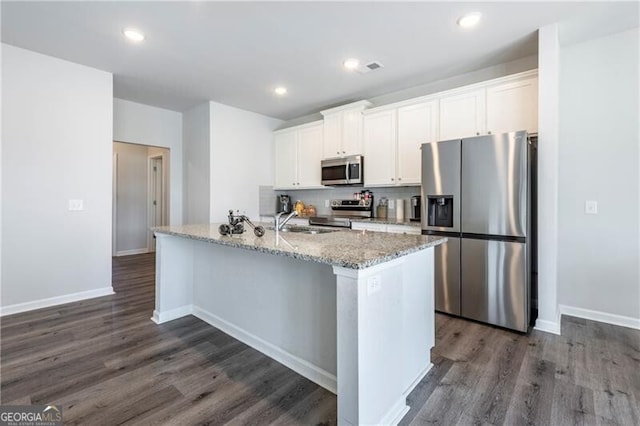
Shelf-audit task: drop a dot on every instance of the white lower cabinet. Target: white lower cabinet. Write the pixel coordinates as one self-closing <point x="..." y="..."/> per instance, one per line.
<point x="298" y="152"/>
<point x="383" y="227"/>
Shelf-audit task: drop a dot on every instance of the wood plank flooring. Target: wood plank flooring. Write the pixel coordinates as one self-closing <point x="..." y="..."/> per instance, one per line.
<point x="107" y="363"/>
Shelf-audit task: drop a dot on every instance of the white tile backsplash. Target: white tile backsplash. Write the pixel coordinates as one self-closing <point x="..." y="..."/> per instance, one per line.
<point x="317" y="197"/>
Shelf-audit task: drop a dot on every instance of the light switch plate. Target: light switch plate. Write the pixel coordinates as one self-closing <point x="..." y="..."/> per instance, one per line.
<point x="373" y="285"/>
<point x="76" y="205"/>
<point x="591" y="207"/>
<point x="391" y="204"/>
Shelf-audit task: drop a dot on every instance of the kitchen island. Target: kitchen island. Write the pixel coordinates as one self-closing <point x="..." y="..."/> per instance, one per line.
<point x="352" y="311"/>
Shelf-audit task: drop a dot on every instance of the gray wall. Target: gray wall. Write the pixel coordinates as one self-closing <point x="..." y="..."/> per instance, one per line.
<point x="598" y="255"/>
<point x="196" y="140"/>
<point x="57" y="124"/>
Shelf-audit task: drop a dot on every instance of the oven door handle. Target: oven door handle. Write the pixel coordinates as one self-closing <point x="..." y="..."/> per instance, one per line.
<point x="346" y="170"/>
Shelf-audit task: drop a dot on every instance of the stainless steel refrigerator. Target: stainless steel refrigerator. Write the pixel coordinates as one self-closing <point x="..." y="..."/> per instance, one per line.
<point x="479" y="193"/>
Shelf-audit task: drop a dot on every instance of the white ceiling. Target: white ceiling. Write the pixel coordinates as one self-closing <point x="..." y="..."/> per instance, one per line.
<point x="236" y="52"/>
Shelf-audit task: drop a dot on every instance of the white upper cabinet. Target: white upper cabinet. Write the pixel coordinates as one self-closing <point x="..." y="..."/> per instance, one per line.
<point x="309" y="156"/>
<point x="332" y="136"/>
<point x="513" y="106"/>
<point x="286" y="148"/>
<point x="380" y="148"/>
<point x="417" y="124"/>
<point x="343" y="130"/>
<point x="390" y="136"/>
<point x="392" y="140"/>
<point x="298" y="152"/>
<point x="462" y="115"/>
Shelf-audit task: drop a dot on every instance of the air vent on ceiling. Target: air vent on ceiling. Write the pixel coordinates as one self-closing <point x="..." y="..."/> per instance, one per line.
<point x="371" y="66"/>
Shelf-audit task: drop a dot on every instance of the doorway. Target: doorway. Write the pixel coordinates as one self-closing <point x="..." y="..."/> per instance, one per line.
<point x="140" y="196"/>
<point x="157" y="198"/>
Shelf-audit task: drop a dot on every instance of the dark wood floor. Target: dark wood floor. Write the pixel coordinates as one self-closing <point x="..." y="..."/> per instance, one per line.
<point x="107" y="363"/>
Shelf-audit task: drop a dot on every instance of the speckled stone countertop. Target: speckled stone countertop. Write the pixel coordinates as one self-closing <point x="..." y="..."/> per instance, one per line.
<point x="389" y="221"/>
<point x="346" y="248"/>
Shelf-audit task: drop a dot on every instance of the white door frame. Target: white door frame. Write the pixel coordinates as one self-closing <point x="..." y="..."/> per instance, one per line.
<point x="165" y="194"/>
<point x="114" y="205"/>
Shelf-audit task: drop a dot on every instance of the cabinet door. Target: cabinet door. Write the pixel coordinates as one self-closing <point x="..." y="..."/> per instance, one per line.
<point x="416" y="125"/>
<point x="404" y="229"/>
<point x="462" y="115"/>
<point x="513" y="106"/>
<point x="309" y="157"/>
<point x="379" y="148"/>
<point x="286" y="159"/>
<point x="361" y="226"/>
<point x="332" y="135"/>
<point x="351" y="132"/>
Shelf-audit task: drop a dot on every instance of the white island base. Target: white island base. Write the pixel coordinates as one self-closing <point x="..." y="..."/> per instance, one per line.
<point x="364" y="334"/>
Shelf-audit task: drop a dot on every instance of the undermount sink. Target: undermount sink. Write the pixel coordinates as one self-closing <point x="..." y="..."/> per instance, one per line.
<point x="306" y="230"/>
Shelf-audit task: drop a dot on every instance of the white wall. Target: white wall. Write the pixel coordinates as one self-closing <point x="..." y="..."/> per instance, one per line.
<point x="147" y="125"/>
<point x="599" y="160"/>
<point x="196" y="137"/>
<point x="548" y="83"/>
<point x="241" y="159"/>
<point x="56" y="146"/>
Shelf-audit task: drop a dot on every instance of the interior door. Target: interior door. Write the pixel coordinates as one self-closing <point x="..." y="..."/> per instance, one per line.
<point x="494" y="282"/>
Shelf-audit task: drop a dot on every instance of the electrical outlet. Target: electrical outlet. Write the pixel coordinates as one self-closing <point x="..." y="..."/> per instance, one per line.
<point x="591" y="207"/>
<point x="373" y="285"/>
<point x="76" y="205"/>
<point x="392" y="204"/>
<point x="326" y="203"/>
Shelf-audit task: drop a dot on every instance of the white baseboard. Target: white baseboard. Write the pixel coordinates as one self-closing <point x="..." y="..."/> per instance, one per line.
<point x="417" y="380"/>
<point x="599" y="316"/>
<point x="162" y="317"/>
<point x="548" y="326"/>
<point x="299" y="365"/>
<point x="130" y="252"/>
<point x="53" y="301"/>
<point x="396" y="413"/>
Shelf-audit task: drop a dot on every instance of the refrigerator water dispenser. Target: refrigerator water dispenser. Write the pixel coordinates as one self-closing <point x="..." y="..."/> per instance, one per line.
<point x="440" y="210"/>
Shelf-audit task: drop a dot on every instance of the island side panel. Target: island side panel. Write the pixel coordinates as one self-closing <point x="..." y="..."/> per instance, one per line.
<point x="385" y="333"/>
<point x="282" y="306"/>
<point x="418" y="317"/>
<point x="174" y="278"/>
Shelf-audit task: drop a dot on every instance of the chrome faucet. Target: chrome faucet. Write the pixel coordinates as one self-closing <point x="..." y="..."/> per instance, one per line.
<point x="278" y="224"/>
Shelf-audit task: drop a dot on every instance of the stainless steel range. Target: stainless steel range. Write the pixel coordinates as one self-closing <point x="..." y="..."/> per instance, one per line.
<point x="343" y="211"/>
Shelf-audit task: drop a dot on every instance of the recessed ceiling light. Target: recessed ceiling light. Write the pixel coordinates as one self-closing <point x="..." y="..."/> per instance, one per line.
<point x="133" y="34"/>
<point x="470" y="20"/>
<point x="280" y="90"/>
<point x="351" y="64"/>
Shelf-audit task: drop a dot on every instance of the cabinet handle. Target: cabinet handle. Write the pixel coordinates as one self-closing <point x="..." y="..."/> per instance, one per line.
<point x="337" y="152"/>
<point x="477" y="133"/>
<point x="344" y="152"/>
<point x="298" y="183"/>
<point x="392" y="179"/>
<point x="489" y="131"/>
<point x="399" y="178"/>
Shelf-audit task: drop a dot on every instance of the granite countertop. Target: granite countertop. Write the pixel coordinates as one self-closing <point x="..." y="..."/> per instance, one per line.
<point x="346" y="248"/>
<point x="389" y="221"/>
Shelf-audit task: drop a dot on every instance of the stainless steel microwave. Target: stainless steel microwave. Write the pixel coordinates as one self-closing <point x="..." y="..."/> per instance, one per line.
<point x="343" y="171"/>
